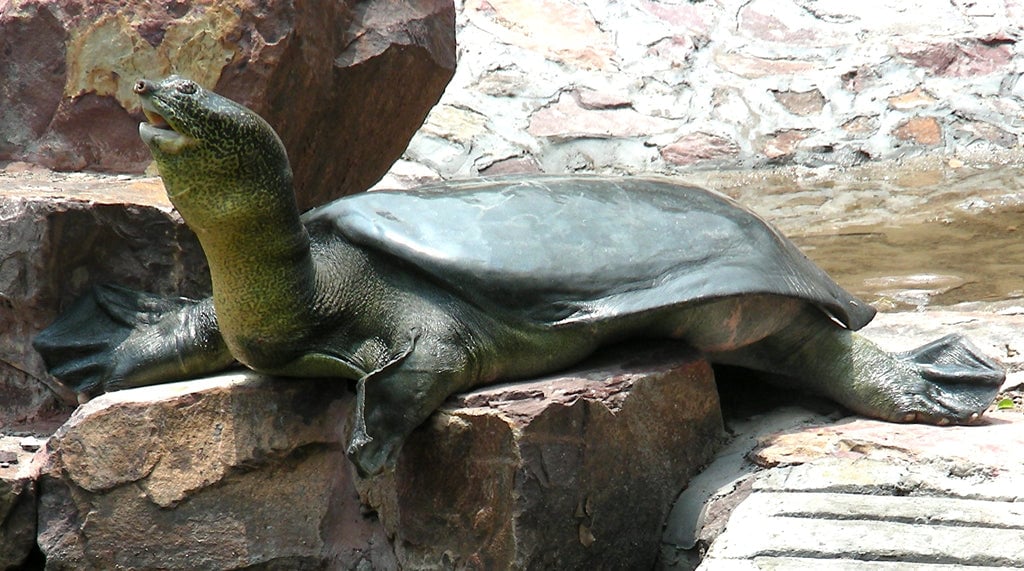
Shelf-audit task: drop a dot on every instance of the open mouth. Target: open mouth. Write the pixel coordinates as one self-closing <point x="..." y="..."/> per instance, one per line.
<point x="160" y="135"/>
<point x="155" y="119"/>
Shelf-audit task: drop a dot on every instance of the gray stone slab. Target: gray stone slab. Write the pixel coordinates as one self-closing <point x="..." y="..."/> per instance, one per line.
<point x="900" y="509"/>
<point x="937" y="477"/>
<point x="722" y="477"/>
<point x="808" y="564"/>
<point x="754" y="531"/>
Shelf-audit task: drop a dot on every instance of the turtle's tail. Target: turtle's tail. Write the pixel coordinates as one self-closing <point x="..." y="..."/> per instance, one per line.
<point x="113" y="337"/>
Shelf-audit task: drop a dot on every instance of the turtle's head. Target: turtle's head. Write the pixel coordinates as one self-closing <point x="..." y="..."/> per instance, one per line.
<point x="212" y="153"/>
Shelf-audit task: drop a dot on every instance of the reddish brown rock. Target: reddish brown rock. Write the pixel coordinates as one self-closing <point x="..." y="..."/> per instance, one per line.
<point x="330" y="78"/>
<point x="574" y="471"/>
<point x="229" y="472"/>
<point x="697" y="147"/>
<point x="567" y="472"/>
<point x="920" y="130"/>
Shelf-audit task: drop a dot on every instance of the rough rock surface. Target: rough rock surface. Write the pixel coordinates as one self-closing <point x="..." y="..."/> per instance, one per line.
<point x="570" y="471"/>
<point x="332" y="78"/>
<point x="222" y="473"/>
<point x="18" y="499"/>
<point x="861" y="491"/>
<point x="797" y="489"/>
<point x="60" y="233"/>
<point x="666" y="86"/>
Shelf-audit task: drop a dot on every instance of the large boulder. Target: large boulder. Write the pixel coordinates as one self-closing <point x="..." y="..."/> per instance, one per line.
<point x="229" y="472"/>
<point x="60" y="233"/>
<point x="571" y="471"/>
<point x="346" y="84"/>
<point x="241" y="471"/>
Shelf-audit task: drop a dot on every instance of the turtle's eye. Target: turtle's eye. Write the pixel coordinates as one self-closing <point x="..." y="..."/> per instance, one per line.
<point x="187" y="87"/>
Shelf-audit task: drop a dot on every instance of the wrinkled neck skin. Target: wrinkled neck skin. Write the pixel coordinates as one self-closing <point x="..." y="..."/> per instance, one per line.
<point x="260" y="267"/>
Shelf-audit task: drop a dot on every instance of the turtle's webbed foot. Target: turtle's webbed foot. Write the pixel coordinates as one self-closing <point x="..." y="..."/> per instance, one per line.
<point x="89" y="346"/>
<point x="957" y="382"/>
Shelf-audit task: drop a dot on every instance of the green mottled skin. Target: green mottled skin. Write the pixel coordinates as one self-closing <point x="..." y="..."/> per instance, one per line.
<point x="232" y="183"/>
<point x="299" y="300"/>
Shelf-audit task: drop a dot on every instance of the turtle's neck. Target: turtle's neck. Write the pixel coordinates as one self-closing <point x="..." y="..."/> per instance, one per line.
<point x="263" y="279"/>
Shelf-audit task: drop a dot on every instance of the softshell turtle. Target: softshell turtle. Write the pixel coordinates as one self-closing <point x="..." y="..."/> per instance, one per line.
<point x="419" y="294"/>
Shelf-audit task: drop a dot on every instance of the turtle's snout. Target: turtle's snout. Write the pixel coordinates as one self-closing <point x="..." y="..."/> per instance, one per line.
<point x="143" y="87"/>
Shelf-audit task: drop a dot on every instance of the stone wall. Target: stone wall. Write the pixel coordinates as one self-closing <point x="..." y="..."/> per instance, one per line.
<point x="667" y="86"/>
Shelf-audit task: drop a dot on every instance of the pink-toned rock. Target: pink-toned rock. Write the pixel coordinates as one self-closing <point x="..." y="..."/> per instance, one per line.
<point x="574" y="471"/>
<point x="760" y="20"/>
<point x="753" y="67"/>
<point x="987" y="132"/>
<point x="515" y="165"/>
<point x="981" y="58"/>
<point x="593" y="99"/>
<point x="959" y="58"/>
<point x="997" y="442"/>
<point x="933" y="56"/>
<point x="696" y="147"/>
<point x="783" y="143"/>
<point x="561" y="30"/>
<point x="916" y="98"/>
<point x="694" y="18"/>
<point x="567" y="119"/>
<point x="677" y="50"/>
<point x="330" y="79"/>
<point x="920" y="130"/>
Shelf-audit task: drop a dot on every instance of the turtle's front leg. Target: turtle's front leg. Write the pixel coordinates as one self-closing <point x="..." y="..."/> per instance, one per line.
<point x="948" y="381"/>
<point x="114" y="338"/>
<point x="400" y="396"/>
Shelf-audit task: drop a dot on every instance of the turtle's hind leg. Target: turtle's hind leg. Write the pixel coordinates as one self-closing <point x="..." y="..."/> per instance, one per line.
<point x="943" y="382"/>
<point x="115" y="338"/>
